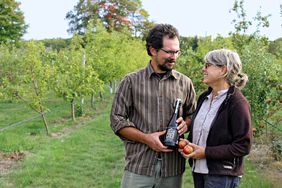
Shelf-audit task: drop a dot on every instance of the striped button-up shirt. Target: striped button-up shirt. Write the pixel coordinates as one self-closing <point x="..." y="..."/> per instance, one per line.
<point x="145" y="101"/>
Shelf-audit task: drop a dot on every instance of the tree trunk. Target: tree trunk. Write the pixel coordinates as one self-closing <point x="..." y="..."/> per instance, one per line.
<point x="111" y="87"/>
<point x="41" y="111"/>
<point x="114" y="86"/>
<point x="72" y="110"/>
<point x="44" y="120"/>
<point x="92" y="101"/>
<point x="82" y="106"/>
<point x="101" y="95"/>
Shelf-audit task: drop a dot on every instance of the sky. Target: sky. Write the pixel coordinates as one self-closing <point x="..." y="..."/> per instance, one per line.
<point x="46" y="18"/>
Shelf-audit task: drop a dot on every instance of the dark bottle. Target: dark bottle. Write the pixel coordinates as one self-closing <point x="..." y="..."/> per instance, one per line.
<point x="172" y="136"/>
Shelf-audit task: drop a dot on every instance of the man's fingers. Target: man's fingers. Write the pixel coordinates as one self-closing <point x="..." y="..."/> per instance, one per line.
<point x="167" y="150"/>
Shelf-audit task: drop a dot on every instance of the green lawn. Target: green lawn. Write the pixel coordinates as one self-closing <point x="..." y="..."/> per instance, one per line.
<point x="86" y="154"/>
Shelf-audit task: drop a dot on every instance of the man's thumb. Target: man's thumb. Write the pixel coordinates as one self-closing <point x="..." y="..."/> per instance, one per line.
<point x="162" y="132"/>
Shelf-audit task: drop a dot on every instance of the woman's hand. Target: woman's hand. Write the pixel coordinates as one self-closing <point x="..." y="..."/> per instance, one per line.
<point x="198" y="152"/>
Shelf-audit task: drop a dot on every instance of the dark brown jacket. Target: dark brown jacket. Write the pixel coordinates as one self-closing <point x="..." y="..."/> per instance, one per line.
<point x="230" y="134"/>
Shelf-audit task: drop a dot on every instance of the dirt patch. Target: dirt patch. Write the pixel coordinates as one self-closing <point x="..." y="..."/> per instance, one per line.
<point x="7" y="160"/>
<point x="67" y="130"/>
<point x="62" y="132"/>
<point x="261" y="155"/>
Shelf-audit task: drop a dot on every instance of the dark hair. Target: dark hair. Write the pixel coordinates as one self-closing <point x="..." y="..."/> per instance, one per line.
<point x="156" y="35"/>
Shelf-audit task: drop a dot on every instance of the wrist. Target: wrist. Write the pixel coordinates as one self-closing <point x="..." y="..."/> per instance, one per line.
<point x="144" y="138"/>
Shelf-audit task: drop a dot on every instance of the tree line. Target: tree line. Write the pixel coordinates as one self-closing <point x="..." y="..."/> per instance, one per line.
<point x="108" y="42"/>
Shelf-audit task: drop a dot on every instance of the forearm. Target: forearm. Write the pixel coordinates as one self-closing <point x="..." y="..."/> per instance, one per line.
<point x="150" y="139"/>
<point x="133" y="134"/>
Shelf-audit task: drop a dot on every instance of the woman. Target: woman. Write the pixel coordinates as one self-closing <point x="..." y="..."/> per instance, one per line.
<point x="221" y="127"/>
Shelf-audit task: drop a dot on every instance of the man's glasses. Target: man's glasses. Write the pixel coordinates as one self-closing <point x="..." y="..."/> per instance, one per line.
<point x="172" y="53"/>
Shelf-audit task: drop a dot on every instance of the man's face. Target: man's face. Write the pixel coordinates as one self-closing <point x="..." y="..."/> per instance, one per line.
<point x="164" y="59"/>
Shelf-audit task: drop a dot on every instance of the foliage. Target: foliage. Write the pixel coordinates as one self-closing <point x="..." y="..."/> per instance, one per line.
<point x="275" y="47"/>
<point x="189" y="42"/>
<point x="242" y="25"/>
<point x="73" y="79"/>
<point x="56" y="44"/>
<point x="262" y="68"/>
<point x="11" y="21"/>
<point x="115" y="15"/>
<point x="114" y="54"/>
<point x="193" y="51"/>
<point x="27" y="79"/>
<point x="7" y="72"/>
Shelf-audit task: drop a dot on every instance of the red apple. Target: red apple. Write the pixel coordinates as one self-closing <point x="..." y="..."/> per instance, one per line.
<point x="182" y="144"/>
<point x="187" y="150"/>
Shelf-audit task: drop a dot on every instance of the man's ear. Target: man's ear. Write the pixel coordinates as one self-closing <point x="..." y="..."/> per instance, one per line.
<point x="153" y="51"/>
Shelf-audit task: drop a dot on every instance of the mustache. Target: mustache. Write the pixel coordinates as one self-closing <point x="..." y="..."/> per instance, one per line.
<point x="168" y="60"/>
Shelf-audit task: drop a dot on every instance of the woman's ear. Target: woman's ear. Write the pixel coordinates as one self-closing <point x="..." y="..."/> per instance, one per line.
<point x="224" y="71"/>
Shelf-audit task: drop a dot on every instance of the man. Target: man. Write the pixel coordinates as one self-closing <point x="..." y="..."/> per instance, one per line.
<point x="142" y="109"/>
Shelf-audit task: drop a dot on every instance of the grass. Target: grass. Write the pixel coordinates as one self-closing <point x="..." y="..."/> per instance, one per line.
<point x="80" y="159"/>
<point x="251" y="179"/>
<point x="89" y="155"/>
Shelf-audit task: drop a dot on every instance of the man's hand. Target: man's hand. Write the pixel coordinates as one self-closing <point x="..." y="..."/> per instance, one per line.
<point x="150" y="139"/>
<point x="154" y="142"/>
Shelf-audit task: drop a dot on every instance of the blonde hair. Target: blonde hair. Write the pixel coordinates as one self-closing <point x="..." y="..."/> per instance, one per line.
<point x="230" y="59"/>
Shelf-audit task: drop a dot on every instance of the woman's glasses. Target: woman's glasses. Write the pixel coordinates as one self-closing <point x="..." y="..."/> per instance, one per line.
<point x="207" y="65"/>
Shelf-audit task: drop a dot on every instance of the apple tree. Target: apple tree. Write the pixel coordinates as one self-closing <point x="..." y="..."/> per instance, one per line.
<point x="26" y="77"/>
<point x="114" y="54"/>
<point x="74" y="79"/>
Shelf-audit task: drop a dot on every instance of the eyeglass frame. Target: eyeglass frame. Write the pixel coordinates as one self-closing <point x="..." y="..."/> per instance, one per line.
<point x="207" y="65"/>
<point x="170" y="52"/>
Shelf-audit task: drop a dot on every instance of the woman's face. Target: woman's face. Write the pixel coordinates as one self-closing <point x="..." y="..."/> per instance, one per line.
<point x="213" y="74"/>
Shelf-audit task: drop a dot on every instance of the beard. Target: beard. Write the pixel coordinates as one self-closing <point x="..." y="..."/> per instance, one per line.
<point x="165" y="67"/>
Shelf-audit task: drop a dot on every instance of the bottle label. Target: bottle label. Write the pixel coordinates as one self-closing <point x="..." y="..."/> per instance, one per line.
<point x="170" y="134"/>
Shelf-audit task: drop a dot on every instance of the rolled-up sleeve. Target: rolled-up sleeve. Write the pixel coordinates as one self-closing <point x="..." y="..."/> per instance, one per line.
<point x="121" y="106"/>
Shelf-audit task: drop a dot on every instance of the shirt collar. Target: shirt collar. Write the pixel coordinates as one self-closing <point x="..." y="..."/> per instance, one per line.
<point x="220" y="93"/>
<point x="150" y="72"/>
